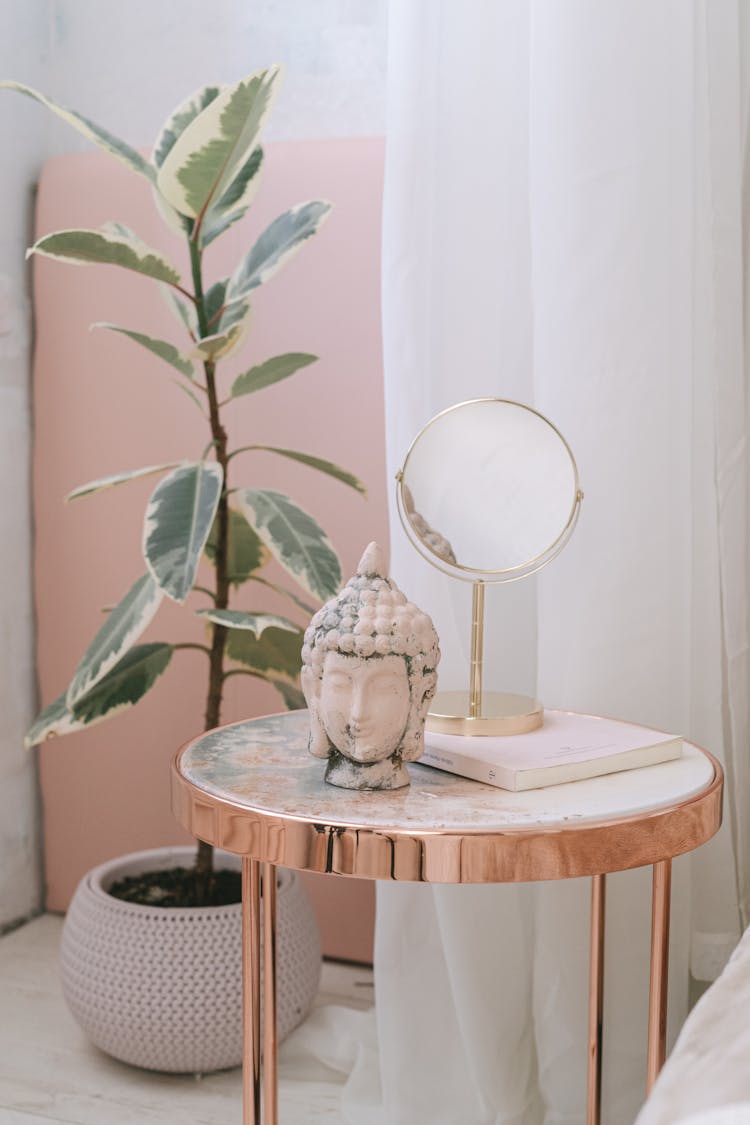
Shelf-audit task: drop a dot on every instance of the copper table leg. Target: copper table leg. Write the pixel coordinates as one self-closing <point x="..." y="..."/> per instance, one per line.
<point x="596" y="1000"/>
<point x="270" y="1057"/>
<point x="250" y="992"/>
<point x="657" y="998"/>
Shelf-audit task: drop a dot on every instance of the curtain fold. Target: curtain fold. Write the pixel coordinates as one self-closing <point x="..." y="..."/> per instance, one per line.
<point x="722" y="53"/>
<point x="456" y="274"/>
<point x="562" y="226"/>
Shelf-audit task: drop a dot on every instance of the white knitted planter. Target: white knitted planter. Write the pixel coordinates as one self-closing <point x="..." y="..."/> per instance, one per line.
<point x="160" y="987"/>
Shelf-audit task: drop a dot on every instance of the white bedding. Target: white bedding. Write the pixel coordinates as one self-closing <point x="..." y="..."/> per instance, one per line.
<point x="706" y="1079"/>
<point x="728" y="1115"/>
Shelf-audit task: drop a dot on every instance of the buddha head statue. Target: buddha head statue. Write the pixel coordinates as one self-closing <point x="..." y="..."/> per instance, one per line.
<point x="369" y="663"/>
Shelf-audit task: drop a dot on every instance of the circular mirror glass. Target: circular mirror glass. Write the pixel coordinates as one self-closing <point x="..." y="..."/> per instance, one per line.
<point x="489" y="489"/>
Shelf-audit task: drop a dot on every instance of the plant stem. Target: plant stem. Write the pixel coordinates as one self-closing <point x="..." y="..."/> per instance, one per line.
<point x="204" y="861"/>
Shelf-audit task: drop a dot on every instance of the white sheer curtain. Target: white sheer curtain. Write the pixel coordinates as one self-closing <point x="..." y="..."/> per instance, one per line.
<point x="563" y="226"/>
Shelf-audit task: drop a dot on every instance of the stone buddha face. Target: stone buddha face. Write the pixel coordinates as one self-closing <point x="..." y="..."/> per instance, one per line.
<point x="368" y="674"/>
<point x="364" y="704"/>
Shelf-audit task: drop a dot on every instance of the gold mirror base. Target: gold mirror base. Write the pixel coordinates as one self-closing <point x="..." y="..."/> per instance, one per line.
<point x="502" y="713"/>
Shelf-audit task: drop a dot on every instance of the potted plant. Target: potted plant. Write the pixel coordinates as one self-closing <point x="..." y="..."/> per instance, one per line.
<point x="204" y="170"/>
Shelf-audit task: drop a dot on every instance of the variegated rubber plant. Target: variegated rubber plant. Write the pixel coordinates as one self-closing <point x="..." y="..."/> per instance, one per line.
<point x="204" y="171"/>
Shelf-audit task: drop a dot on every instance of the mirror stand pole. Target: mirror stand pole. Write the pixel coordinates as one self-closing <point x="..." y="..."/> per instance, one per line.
<point x="477" y="643"/>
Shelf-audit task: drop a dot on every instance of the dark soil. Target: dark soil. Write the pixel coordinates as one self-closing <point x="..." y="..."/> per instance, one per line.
<point x="177" y="887"/>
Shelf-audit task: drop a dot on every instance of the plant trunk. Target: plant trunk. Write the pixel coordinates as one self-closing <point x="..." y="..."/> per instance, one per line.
<point x="221" y="600"/>
<point x="204" y="858"/>
<point x="204" y="871"/>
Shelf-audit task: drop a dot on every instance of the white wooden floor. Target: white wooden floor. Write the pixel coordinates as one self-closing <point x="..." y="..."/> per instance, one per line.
<point x="49" y="1072"/>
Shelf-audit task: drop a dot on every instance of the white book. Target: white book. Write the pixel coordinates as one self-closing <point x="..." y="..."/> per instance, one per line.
<point x="568" y="747"/>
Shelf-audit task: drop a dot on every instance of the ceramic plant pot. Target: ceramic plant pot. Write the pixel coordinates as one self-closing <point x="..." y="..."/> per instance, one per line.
<point x="160" y="987"/>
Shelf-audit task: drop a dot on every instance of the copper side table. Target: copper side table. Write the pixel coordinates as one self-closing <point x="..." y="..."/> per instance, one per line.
<point x="253" y="789"/>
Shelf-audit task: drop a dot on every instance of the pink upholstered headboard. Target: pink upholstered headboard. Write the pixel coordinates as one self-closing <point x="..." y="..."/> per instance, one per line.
<point x="102" y="404"/>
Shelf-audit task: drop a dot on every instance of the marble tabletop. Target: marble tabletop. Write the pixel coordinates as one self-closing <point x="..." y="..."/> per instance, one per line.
<point x="264" y="764"/>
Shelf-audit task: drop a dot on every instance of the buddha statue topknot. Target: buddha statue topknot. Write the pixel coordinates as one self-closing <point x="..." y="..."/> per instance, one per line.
<point x="369" y="671"/>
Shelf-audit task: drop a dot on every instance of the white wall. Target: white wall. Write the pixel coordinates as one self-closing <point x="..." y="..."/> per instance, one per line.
<point x="127" y="66"/>
<point x="333" y="52"/>
<point x="23" y="51"/>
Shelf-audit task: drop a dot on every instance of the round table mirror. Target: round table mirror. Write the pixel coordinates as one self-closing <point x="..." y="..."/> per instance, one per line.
<point x="488" y="492"/>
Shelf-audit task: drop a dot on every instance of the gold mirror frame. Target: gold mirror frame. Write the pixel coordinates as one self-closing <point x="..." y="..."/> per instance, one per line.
<point x="455" y="713"/>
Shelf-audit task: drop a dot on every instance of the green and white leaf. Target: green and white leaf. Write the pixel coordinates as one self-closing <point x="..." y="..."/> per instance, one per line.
<point x="235" y="201"/>
<point x="119" y="632"/>
<point x="318" y="463"/>
<point x="276" y="656"/>
<point x="213" y="300"/>
<point x="215" y="226"/>
<point x="220" y="343"/>
<point x="244" y="187"/>
<point x="256" y="623"/>
<point x="246" y="553"/>
<point x="276" y="245"/>
<point x="237" y="313"/>
<point x="83" y="247"/>
<point x="90" y="130"/>
<point x="269" y="372"/>
<point x="118" y="478"/>
<point x="216" y="314"/>
<point x="184" y="313"/>
<point x="295" y="539"/>
<point x="55" y="719"/>
<point x="171" y="130"/>
<point x="161" y="348"/>
<point x="127" y="683"/>
<point x="177" y="524"/>
<point x="180" y="118"/>
<point x="215" y="146"/>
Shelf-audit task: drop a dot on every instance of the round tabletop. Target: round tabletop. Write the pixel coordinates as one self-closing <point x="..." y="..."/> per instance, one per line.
<point x="253" y="788"/>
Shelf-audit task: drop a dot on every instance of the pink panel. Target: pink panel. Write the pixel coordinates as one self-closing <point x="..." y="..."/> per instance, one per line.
<point x="102" y="404"/>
